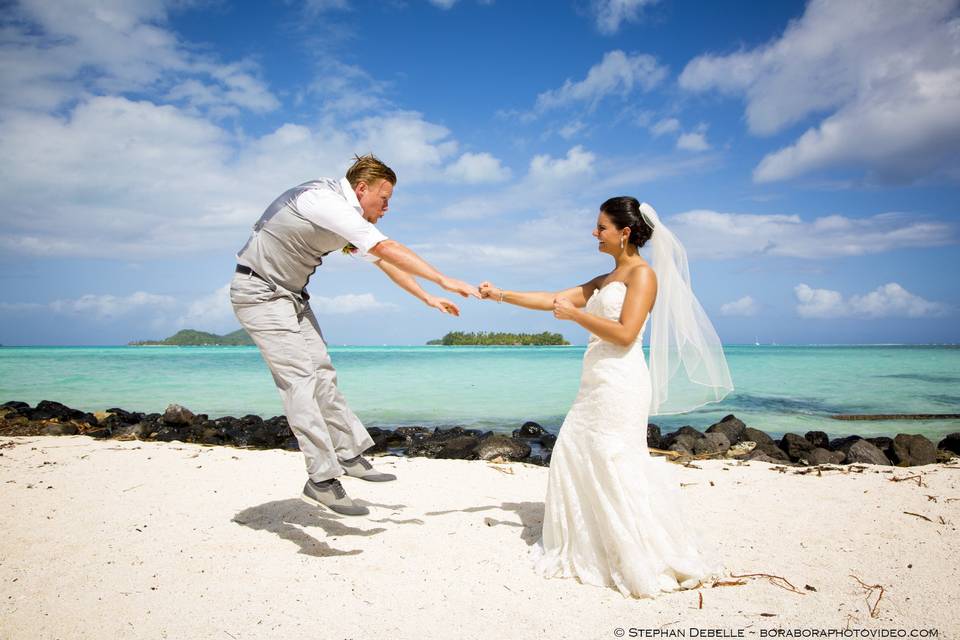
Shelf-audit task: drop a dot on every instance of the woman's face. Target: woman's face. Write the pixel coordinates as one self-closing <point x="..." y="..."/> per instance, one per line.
<point x="607" y="234"/>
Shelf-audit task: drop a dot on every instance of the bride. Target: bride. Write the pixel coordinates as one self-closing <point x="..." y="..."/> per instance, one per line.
<point x="612" y="512"/>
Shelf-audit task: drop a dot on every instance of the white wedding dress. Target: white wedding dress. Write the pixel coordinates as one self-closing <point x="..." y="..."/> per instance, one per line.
<point x="613" y="513"/>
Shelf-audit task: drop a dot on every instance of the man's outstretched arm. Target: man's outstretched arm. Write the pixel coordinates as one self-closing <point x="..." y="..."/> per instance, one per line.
<point x="409" y="284"/>
<point x="406" y="260"/>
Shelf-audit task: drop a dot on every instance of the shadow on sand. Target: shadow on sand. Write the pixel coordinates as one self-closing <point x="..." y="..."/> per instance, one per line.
<point x="288" y="519"/>
<point x="529" y="513"/>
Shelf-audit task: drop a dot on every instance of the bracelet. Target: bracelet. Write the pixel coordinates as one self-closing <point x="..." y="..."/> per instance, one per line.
<point x="501" y="297"/>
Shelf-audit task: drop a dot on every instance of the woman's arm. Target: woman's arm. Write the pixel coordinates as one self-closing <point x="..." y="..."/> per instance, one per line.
<point x="409" y="284"/>
<point x="540" y="300"/>
<point x="641" y="294"/>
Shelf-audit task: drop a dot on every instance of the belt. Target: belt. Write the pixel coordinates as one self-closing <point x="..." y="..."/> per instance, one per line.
<point x="247" y="271"/>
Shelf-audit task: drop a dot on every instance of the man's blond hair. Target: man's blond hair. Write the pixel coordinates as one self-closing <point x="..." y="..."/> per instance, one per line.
<point x="369" y="169"/>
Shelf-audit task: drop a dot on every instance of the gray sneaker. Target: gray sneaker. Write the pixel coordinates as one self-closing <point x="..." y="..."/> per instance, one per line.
<point x="332" y="495"/>
<point x="361" y="468"/>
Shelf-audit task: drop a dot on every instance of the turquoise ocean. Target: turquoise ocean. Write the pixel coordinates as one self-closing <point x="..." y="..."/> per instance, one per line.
<point x="779" y="389"/>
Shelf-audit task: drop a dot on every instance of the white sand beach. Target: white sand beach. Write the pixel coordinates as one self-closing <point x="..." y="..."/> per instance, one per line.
<point x="130" y="539"/>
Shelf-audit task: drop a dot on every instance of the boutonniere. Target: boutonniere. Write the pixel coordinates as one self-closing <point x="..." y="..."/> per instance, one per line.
<point x="349" y="249"/>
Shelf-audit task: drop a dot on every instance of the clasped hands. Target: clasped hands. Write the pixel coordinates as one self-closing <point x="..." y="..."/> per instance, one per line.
<point x="563" y="308"/>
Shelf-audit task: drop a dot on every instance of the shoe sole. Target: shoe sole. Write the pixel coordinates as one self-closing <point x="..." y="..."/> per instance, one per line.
<point x="373" y="478"/>
<point x="316" y="503"/>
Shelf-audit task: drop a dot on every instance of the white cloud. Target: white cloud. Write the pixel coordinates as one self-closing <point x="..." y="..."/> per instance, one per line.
<point x="618" y="73"/>
<point x="819" y="303"/>
<point x="410" y="143"/>
<point x="745" y="306"/>
<point x="578" y="162"/>
<point x="885" y="74"/>
<point x="211" y="312"/>
<point x="123" y="178"/>
<point x="711" y="234"/>
<point x="889" y="300"/>
<point x="110" y="306"/>
<point x="346" y="88"/>
<point x="571" y="129"/>
<point x="51" y="52"/>
<point x="475" y="168"/>
<point x="551" y="236"/>
<point x="158" y="174"/>
<point x="545" y="186"/>
<point x="667" y="125"/>
<point x="577" y="180"/>
<point x="225" y="91"/>
<point x="490" y="255"/>
<point x="348" y="303"/>
<point x="694" y="140"/>
<point x="610" y="14"/>
<point x="443" y="4"/>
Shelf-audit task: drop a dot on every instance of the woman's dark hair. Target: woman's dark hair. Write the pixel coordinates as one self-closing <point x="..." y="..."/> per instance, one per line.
<point x="624" y="211"/>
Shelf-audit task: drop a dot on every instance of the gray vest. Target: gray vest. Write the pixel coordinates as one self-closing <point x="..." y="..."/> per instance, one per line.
<point x="285" y="248"/>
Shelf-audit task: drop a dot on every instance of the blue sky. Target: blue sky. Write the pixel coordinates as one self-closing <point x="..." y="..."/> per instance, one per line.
<point x="808" y="155"/>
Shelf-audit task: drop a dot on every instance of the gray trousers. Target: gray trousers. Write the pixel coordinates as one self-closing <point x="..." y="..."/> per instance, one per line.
<point x="286" y="331"/>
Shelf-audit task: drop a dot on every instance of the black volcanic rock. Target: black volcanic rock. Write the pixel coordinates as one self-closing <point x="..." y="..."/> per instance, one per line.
<point x="883" y="443"/>
<point x="687" y="435"/>
<point x="843" y="444"/>
<point x="911" y="450"/>
<point x="176" y="415"/>
<point x="715" y="442"/>
<point x="862" y="451"/>
<point x="118" y="421"/>
<point x="59" y="429"/>
<point x="53" y="418"/>
<point x="795" y="446"/>
<point x="824" y="456"/>
<point x="769" y="450"/>
<point x="755" y="435"/>
<point x="459" y="448"/>
<point x="412" y="433"/>
<point x="501" y="446"/>
<point x="654" y="439"/>
<point x="529" y="430"/>
<point x="768" y="453"/>
<point x="951" y="443"/>
<point x="730" y="426"/>
<point x="99" y="432"/>
<point x="49" y="410"/>
<point x="818" y="439"/>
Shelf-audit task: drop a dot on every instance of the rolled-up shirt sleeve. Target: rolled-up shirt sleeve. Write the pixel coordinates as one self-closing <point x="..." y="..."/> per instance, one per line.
<point x="329" y="211"/>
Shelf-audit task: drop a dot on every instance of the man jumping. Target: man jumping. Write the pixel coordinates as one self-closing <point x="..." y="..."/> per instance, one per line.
<point x="269" y="297"/>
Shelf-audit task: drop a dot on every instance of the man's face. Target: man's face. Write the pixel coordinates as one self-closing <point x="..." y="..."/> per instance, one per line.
<point x="374" y="199"/>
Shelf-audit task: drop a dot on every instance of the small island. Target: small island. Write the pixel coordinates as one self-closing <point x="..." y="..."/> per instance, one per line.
<point x="194" y="338"/>
<point x="489" y="338"/>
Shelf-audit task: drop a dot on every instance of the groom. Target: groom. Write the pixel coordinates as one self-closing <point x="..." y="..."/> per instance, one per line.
<point x="269" y="297"/>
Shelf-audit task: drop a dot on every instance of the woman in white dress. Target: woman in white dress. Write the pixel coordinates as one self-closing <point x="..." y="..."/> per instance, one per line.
<point x="612" y="512"/>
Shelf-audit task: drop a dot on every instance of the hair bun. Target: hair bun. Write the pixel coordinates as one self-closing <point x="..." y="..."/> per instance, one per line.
<point x="624" y="211"/>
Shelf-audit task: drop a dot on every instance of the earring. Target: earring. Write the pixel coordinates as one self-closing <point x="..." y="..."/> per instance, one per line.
<point x="621" y="242"/>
